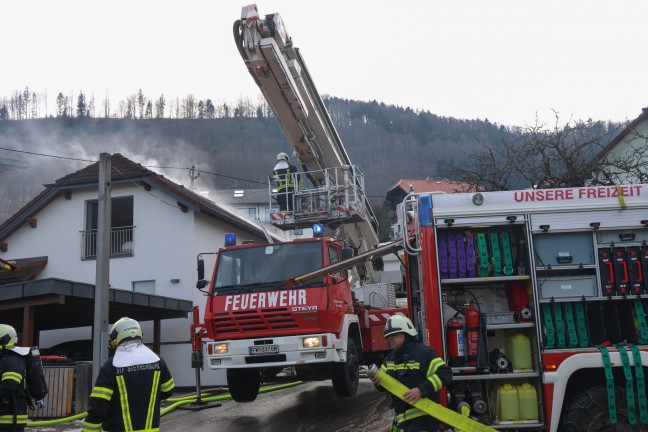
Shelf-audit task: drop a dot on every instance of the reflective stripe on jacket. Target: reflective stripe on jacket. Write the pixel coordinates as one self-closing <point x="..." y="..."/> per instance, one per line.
<point x="417" y="365"/>
<point x="13" y="396"/>
<point x="128" y="398"/>
<point x="283" y="176"/>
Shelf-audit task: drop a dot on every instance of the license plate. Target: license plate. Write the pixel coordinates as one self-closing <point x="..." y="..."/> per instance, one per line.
<point x="264" y="349"/>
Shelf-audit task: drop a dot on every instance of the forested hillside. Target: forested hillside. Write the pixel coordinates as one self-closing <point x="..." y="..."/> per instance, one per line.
<point x="235" y="150"/>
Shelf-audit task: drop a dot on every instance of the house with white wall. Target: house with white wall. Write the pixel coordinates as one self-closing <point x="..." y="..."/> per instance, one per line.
<point x="158" y="228"/>
<point x="254" y="203"/>
<point x="626" y="153"/>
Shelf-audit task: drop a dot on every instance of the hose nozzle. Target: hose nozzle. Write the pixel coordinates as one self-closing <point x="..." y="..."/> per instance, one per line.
<point x="372" y="371"/>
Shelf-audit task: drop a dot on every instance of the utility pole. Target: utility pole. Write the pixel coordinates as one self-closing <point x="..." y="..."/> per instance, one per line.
<point x="194" y="175"/>
<point x="102" y="280"/>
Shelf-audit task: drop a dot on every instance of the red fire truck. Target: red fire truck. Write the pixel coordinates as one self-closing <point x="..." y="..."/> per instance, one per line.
<point x="537" y="298"/>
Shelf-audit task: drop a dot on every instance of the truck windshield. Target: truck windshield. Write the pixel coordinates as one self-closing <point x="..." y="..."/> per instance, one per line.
<point x="267" y="263"/>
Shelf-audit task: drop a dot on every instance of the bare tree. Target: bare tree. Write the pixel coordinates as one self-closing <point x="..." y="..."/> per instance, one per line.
<point x="45" y="101"/>
<point x="91" y="106"/>
<point x="131" y="104"/>
<point x="106" y="106"/>
<point x="141" y="102"/>
<point x="149" y="110"/>
<point x="159" y="106"/>
<point x="60" y="105"/>
<point x="189" y="107"/>
<point x="537" y="156"/>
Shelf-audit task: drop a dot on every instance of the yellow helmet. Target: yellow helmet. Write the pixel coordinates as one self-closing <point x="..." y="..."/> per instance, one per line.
<point x="125" y="328"/>
<point x="399" y="324"/>
<point x="282" y="157"/>
<point x="8" y="336"/>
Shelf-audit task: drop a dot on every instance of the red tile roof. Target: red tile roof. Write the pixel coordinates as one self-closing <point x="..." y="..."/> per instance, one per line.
<point x="431" y="185"/>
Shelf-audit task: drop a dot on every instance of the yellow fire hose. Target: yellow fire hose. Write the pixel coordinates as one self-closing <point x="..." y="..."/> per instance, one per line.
<point x="176" y="403"/>
<point x="447" y="416"/>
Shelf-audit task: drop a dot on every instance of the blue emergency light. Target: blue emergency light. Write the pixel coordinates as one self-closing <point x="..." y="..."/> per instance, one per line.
<point x="425" y="210"/>
<point x="230" y="239"/>
<point x="318" y="230"/>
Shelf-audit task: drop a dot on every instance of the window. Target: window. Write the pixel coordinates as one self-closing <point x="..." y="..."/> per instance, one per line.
<point x="121" y="228"/>
<point x="268" y="210"/>
<point x="334" y="258"/>
<point x="146" y="287"/>
<point x="247" y="212"/>
<point x="265" y="266"/>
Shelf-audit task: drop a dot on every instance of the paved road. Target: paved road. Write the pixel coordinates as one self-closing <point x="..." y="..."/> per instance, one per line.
<point x="309" y="407"/>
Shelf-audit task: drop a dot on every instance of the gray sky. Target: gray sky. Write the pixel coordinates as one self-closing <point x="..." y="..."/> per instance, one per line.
<point x="505" y="60"/>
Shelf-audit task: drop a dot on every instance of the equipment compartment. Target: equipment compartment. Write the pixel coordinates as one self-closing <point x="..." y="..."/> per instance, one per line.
<point x="567" y="286"/>
<point x="564" y="249"/>
<point x="621" y="237"/>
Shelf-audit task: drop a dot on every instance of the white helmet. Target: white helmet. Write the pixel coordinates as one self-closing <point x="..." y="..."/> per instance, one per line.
<point x="399" y="324"/>
<point x="8" y="336"/>
<point x="125" y="328"/>
<point x="282" y="157"/>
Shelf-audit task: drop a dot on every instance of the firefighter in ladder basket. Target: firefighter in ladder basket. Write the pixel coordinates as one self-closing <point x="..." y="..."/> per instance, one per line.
<point x="284" y="177"/>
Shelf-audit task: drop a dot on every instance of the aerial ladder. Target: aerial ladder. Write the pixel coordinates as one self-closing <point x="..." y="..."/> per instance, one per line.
<point x="331" y="190"/>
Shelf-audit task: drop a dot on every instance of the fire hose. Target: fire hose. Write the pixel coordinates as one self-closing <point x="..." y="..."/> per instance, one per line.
<point x="447" y="416"/>
<point x="176" y="403"/>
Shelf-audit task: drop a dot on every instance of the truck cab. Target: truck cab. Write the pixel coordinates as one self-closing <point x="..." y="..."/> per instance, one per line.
<point x="258" y="323"/>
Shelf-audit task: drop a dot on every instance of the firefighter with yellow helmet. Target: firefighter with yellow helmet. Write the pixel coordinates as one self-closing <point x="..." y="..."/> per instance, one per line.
<point x="130" y="385"/>
<point x="13" y="393"/>
<point x="419" y="368"/>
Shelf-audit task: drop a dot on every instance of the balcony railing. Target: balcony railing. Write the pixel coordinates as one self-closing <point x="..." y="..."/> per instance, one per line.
<point x="122" y="242"/>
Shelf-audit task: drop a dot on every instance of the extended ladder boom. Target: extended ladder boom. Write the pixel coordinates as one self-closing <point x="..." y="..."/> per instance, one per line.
<point x="280" y="72"/>
<point x="331" y="191"/>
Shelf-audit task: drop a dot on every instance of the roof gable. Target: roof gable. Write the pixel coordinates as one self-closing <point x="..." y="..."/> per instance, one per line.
<point x="625" y="133"/>
<point x="122" y="168"/>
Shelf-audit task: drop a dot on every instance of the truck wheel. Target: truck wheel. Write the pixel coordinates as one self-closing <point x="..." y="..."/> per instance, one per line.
<point x="588" y="412"/>
<point x="346" y="376"/>
<point x="243" y="384"/>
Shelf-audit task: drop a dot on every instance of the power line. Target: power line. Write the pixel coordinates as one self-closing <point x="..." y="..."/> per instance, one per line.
<point x="47" y="155"/>
<point x="150" y="166"/>
<point x="146" y="166"/>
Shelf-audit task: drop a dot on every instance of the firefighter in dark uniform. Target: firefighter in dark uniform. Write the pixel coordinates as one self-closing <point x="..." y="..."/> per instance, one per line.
<point x="130" y="385"/>
<point x="285" y="181"/>
<point x="419" y="368"/>
<point x="13" y="393"/>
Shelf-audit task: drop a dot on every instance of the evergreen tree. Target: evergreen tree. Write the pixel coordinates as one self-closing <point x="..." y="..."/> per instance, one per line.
<point x="82" y="110"/>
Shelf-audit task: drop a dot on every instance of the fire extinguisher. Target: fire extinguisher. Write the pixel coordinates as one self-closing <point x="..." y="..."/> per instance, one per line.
<point x="472" y="334"/>
<point x="456" y="345"/>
